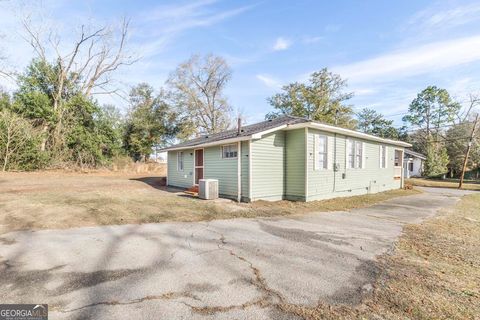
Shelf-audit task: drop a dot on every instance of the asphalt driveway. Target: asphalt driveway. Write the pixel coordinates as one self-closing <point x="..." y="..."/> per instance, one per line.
<point x="221" y="269"/>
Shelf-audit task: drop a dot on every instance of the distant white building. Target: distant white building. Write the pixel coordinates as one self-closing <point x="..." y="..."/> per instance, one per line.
<point x="158" y="156"/>
<point x="413" y="163"/>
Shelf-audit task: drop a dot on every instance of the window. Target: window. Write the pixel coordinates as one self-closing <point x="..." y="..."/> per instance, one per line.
<point x="321" y="153"/>
<point x="410" y="167"/>
<point x="398" y="158"/>
<point x="358" y="154"/>
<point x="354" y="154"/>
<point x="229" y="151"/>
<point x="180" y="161"/>
<point x="383" y="156"/>
<point x="351" y="153"/>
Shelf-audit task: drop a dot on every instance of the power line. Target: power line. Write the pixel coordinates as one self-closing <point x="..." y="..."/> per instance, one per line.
<point x="435" y="128"/>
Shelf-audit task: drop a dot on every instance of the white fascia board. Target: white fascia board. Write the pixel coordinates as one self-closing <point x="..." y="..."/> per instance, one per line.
<point x="259" y="135"/>
<point x="348" y="132"/>
<point x="210" y="144"/>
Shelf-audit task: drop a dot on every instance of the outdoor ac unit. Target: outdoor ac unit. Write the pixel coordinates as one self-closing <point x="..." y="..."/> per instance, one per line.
<point x="208" y="189"/>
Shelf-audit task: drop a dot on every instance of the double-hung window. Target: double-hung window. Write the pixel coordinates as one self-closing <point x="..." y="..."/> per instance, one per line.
<point x="383" y="156"/>
<point x="355" y="154"/>
<point x="180" y="161"/>
<point x="321" y="152"/>
<point x="229" y="151"/>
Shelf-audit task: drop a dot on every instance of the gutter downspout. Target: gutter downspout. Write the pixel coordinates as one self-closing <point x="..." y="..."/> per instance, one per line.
<point x="239" y="171"/>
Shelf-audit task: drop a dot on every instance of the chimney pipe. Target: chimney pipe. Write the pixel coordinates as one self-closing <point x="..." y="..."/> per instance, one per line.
<point x="239" y="126"/>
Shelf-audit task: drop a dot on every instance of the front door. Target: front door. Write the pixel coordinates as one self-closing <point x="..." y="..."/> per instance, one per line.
<point x="198" y="165"/>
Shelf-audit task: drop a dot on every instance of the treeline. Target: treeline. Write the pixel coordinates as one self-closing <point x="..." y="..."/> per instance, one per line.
<point x="42" y="126"/>
<point x="435" y="124"/>
<point x="53" y="117"/>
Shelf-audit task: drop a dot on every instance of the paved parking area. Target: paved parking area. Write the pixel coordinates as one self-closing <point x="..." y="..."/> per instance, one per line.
<point x="240" y="268"/>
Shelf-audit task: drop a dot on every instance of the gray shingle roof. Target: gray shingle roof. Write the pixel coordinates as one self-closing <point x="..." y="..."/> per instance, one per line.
<point x="244" y="132"/>
<point x="247" y="132"/>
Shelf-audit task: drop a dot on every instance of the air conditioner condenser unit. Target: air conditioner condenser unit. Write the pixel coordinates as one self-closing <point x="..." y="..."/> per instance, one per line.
<point x="208" y="189"/>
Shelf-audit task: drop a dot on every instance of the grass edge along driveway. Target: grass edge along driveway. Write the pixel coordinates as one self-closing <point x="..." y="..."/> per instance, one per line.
<point x="432" y="273"/>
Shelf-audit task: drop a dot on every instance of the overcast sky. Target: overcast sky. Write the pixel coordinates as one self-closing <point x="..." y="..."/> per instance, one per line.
<point x="388" y="50"/>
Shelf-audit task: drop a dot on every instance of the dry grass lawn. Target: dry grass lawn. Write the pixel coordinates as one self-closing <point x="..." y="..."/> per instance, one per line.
<point x="44" y="200"/>
<point x="434" y="273"/>
<point x="468" y="185"/>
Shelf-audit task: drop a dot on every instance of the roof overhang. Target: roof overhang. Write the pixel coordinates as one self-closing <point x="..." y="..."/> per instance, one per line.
<point x="348" y="132"/>
<point x="413" y="155"/>
<point x="209" y="144"/>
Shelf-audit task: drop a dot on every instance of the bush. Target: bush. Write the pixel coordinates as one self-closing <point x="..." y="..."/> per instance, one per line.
<point x="19" y="143"/>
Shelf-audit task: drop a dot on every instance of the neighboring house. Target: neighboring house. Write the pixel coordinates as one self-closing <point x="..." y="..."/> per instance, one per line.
<point x="288" y="158"/>
<point x="413" y="163"/>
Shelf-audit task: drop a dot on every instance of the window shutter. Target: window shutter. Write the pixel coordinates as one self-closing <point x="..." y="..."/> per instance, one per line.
<point x="347" y="151"/>
<point x="364" y="156"/>
<point x="316" y="141"/>
<point x="329" y="153"/>
<point x="380" y="155"/>
<point x="386" y="156"/>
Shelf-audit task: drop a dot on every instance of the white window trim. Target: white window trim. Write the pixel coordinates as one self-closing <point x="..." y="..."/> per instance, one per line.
<point x="362" y="155"/>
<point x="178" y="161"/>
<point x="316" y="142"/>
<point x="226" y="145"/>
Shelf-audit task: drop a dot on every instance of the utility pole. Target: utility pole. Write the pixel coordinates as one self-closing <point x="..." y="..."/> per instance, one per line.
<point x="467" y="153"/>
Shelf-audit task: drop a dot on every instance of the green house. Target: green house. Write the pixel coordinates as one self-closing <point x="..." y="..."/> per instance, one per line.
<point x="288" y="158"/>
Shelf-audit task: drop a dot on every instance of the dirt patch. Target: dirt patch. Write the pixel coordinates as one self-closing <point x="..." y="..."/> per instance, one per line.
<point x="7" y="242"/>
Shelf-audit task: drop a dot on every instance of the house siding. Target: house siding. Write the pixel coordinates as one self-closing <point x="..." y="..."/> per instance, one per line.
<point x="278" y="168"/>
<point x="268" y="167"/>
<point x="176" y="178"/>
<point x="224" y="170"/>
<point x="295" y="165"/>
<point x="326" y="183"/>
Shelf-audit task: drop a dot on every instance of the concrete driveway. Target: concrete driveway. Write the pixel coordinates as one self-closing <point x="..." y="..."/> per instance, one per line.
<point x="220" y="269"/>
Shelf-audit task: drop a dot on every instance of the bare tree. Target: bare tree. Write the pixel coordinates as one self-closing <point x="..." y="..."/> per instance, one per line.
<point x="198" y="86"/>
<point x="473" y="103"/>
<point x="15" y="133"/>
<point x="3" y="72"/>
<point x="89" y="63"/>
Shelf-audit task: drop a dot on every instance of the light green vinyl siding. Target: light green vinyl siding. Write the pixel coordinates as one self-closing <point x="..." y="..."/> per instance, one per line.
<point x="324" y="184"/>
<point x="176" y="178"/>
<point x="224" y="170"/>
<point x="268" y="162"/>
<point x="295" y="164"/>
<point x="245" y="170"/>
<point x="278" y="168"/>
